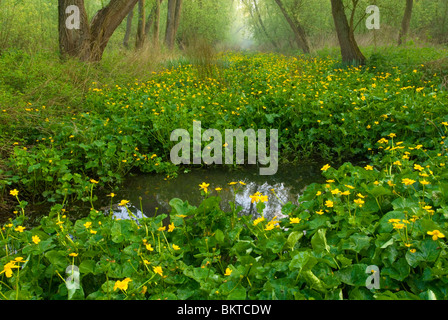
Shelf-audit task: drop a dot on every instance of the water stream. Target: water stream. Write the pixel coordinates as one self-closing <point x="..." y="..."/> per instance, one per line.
<point x="156" y="192"/>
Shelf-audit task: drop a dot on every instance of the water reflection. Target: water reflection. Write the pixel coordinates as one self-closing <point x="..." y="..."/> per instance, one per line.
<point x="156" y="192"/>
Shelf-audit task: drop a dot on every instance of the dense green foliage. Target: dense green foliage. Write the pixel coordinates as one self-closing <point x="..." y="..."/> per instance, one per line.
<point x="391" y="213"/>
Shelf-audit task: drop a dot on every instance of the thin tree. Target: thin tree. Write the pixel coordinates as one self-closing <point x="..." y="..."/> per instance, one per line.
<point x="172" y="22"/>
<point x="405" y="23"/>
<point x="141" y="31"/>
<point x="296" y="27"/>
<point x="127" y="34"/>
<point x="350" y="51"/>
<point x="88" y="41"/>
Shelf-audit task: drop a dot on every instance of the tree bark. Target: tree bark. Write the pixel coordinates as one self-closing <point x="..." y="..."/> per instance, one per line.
<point x="156" y="30"/>
<point x="296" y="27"/>
<point x="346" y="36"/>
<point x="73" y="42"/>
<point x="141" y="34"/>
<point x="89" y="41"/>
<point x="405" y="23"/>
<point x="172" y="22"/>
<point x="127" y="35"/>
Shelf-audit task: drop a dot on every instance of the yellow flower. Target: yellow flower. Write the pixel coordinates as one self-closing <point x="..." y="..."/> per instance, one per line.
<point x="171" y="227"/>
<point x="7" y="268"/>
<point x="269" y="227"/>
<point x="161" y="229"/>
<point x="93" y="231"/>
<point x="35" y="239"/>
<point x="349" y="186"/>
<point x="73" y="254"/>
<point x="258" y="220"/>
<point x="325" y="167"/>
<point x="176" y="247"/>
<point x="149" y="247"/>
<point x="93" y="181"/>
<point x="407" y="181"/>
<point x="412" y="251"/>
<point x="111" y="195"/>
<point x="320" y="212"/>
<point x="294" y="220"/>
<point x="329" y="203"/>
<point x="123" y="203"/>
<point x="158" y="270"/>
<point x="418" y="167"/>
<point x="436" y="234"/>
<point x="122" y="285"/>
<point x="204" y="186"/>
<point x="88" y="224"/>
<point x="14" y="192"/>
<point x="232" y="183"/>
<point x="19" y="228"/>
<point x="241" y="183"/>
<point x="228" y="272"/>
<point x="394" y="220"/>
<point x="218" y="189"/>
<point x="318" y="193"/>
<point x="359" y="202"/>
<point x="424" y="182"/>
<point x="398" y="226"/>
<point x="335" y="191"/>
<point x="368" y="167"/>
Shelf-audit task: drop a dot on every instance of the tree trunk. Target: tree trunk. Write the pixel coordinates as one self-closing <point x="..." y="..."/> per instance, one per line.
<point x="89" y="41"/>
<point x="73" y="42"/>
<point x="127" y="35"/>
<point x="262" y="26"/>
<point x="156" y="30"/>
<point x="141" y="35"/>
<point x="405" y="23"/>
<point x="296" y="27"/>
<point x="172" y="22"/>
<point x="349" y="48"/>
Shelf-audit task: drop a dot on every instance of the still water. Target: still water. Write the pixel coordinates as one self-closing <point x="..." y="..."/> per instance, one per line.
<point x="155" y="192"/>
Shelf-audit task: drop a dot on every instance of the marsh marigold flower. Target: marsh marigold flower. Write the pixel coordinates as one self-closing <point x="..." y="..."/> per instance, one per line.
<point x="407" y="181"/>
<point x="436" y="234"/>
<point x="228" y="272"/>
<point x="14" y="192"/>
<point x="122" y="285"/>
<point x="204" y="186"/>
<point x="158" y="270"/>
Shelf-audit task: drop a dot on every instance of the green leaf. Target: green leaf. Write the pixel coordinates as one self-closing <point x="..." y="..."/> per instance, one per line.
<point x="239" y="293"/>
<point x="57" y="258"/>
<point x="319" y="241"/>
<point x="87" y="266"/>
<point x="219" y="235"/>
<point x="302" y="260"/>
<point x="399" y="270"/>
<point x="293" y="238"/>
<point x="354" y="275"/>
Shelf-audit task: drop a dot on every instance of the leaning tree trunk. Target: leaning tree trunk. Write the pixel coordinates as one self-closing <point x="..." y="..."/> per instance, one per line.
<point x="405" y="23"/>
<point x="346" y="36"/>
<point x="296" y="27"/>
<point x="89" y="41"/>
